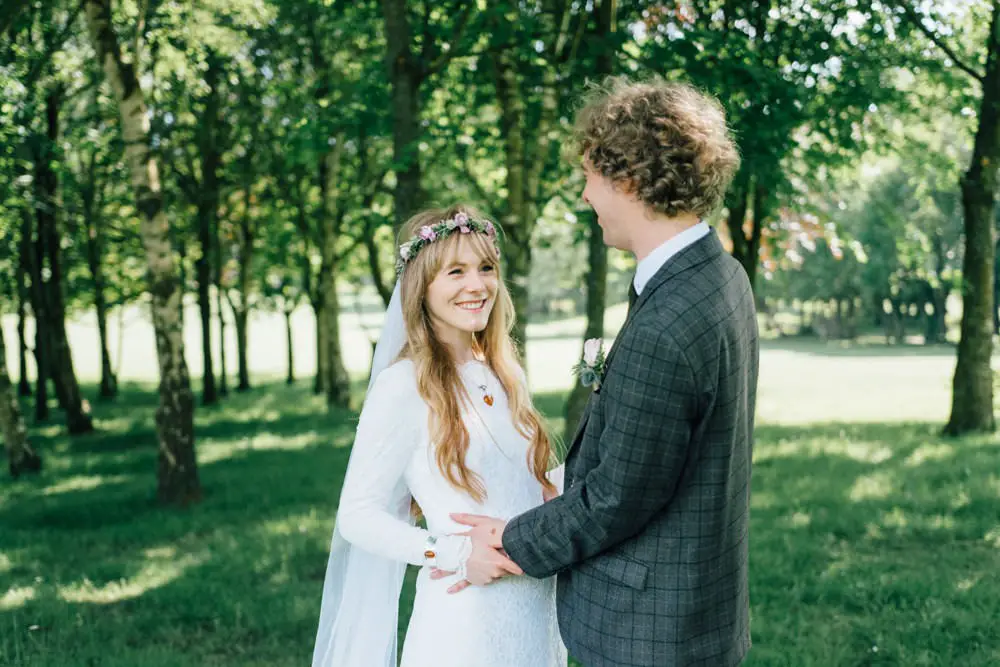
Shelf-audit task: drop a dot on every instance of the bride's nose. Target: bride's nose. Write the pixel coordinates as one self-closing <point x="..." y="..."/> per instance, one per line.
<point x="474" y="283"/>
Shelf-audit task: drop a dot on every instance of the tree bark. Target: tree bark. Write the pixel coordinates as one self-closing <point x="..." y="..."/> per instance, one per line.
<point x="93" y="225"/>
<point x="518" y="222"/>
<point x="20" y="456"/>
<point x="221" y="313"/>
<point x="972" y="397"/>
<point x="290" y="378"/>
<point x="597" y="252"/>
<point x="996" y="289"/>
<point x="247" y="235"/>
<point x="24" y="250"/>
<point x="406" y="74"/>
<point x="738" y="203"/>
<point x="336" y="381"/>
<point x="177" y="473"/>
<point x="207" y="216"/>
<point x="48" y="256"/>
<point x="223" y="372"/>
<point x="322" y="360"/>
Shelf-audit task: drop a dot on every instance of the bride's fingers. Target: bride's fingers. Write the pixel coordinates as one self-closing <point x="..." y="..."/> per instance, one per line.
<point x="512" y="567"/>
<point x="460" y="586"/>
<point x="440" y="574"/>
<point x="468" y="519"/>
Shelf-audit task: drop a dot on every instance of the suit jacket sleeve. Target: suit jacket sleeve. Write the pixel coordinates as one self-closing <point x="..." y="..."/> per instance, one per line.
<point x="643" y="448"/>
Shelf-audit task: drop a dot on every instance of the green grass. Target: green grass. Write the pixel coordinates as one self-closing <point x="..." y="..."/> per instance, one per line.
<point x="871" y="544"/>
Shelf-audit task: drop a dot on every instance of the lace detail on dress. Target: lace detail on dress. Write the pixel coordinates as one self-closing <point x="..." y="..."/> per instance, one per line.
<point x="511" y="623"/>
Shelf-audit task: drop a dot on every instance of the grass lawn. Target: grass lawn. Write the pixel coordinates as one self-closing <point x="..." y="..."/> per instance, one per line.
<point x="874" y="541"/>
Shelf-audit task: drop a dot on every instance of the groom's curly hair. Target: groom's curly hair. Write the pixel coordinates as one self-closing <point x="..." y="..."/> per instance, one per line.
<point x="666" y="142"/>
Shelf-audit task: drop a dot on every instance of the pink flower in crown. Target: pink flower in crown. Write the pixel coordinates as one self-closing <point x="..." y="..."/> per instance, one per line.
<point x="491" y="231"/>
<point x="427" y="234"/>
<point x="462" y="220"/>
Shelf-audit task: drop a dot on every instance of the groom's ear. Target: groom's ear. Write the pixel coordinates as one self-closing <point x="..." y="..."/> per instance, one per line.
<point x="628" y="186"/>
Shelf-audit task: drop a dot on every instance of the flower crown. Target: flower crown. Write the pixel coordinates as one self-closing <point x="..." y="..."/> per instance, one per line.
<point x="430" y="233"/>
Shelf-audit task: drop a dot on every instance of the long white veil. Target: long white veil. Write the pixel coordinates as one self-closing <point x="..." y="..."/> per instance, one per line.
<point x="359" y="615"/>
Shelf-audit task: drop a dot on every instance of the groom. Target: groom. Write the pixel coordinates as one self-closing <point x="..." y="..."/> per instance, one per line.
<point x="650" y="536"/>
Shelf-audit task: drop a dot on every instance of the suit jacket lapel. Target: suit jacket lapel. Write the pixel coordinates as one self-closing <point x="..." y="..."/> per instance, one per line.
<point x="698" y="252"/>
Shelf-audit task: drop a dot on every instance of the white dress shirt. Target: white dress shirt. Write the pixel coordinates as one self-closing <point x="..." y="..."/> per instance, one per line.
<point x="655" y="260"/>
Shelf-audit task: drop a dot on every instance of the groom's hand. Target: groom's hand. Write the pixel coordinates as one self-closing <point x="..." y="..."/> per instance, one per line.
<point x="486" y="529"/>
<point x="487" y="562"/>
<point x="484" y="566"/>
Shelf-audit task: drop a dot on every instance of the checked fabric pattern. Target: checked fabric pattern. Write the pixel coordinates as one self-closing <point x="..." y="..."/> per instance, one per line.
<point x="650" y="537"/>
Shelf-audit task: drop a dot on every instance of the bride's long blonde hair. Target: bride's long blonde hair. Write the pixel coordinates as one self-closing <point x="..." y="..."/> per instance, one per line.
<point x="438" y="381"/>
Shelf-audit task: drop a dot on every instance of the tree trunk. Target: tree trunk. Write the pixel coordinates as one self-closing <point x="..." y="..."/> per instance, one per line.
<point x="337" y="384"/>
<point x="177" y="474"/>
<point x="109" y="383"/>
<point x="290" y="379"/>
<point x="738" y="203"/>
<point x="247" y="232"/>
<point x="322" y="365"/>
<point x="597" y="252"/>
<point x="241" y="345"/>
<point x="20" y="456"/>
<point x="405" y="77"/>
<point x="50" y="289"/>
<point x="996" y="289"/>
<point x="972" y="398"/>
<point x="223" y="373"/>
<point x="518" y="222"/>
<point x="93" y="224"/>
<point x="208" y="206"/>
<point x="23" y="386"/>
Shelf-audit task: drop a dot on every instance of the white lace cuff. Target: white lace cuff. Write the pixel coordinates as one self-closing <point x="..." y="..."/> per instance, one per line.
<point x="453" y="551"/>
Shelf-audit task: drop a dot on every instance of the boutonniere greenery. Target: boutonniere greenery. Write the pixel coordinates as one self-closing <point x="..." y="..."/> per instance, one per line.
<point x="591" y="366"/>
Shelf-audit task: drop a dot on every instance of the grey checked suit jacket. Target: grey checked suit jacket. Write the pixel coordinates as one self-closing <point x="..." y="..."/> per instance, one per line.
<point x="650" y="537"/>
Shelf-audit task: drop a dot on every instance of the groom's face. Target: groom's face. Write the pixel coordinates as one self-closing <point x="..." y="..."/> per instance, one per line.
<point x="612" y="206"/>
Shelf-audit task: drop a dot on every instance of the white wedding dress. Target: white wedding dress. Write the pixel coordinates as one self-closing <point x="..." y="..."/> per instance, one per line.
<point x="510" y="623"/>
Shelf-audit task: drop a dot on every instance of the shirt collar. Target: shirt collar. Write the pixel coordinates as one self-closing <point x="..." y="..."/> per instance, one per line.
<point x="653" y="262"/>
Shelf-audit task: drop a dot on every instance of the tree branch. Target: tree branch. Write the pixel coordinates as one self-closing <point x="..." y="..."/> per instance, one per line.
<point x="461" y="24"/>
<point x="52" y="47"/>
<point x="480" y="191"/>
<point x="936" y="39"/>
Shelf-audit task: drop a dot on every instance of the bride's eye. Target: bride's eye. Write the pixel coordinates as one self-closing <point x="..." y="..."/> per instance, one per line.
<point x="455" y="272"/>
<point x="487" y="268"/>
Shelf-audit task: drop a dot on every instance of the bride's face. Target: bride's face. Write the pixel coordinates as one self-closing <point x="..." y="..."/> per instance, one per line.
<point x="460" y="298"/>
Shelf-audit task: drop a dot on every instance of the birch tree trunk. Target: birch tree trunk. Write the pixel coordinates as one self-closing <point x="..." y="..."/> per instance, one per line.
<point x="20" y="456"/>
<point x="177" y="476"/>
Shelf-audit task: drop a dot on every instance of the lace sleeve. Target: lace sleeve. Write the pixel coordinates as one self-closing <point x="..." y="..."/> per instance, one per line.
<point x="388" y="432"/>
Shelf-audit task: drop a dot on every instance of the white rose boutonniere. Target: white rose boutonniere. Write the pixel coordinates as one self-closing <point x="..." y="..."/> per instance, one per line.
<point x="591" y="366"/>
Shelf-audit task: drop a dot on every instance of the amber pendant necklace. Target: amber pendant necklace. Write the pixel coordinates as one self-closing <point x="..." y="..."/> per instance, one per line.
<point x="487" y="396"/>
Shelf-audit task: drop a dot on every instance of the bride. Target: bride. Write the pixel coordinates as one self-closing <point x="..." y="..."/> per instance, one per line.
<point x="447" y="426"/>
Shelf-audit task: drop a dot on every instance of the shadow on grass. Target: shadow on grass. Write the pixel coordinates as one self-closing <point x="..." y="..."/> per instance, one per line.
<point x="863" y="535"/>
<point x="837" y="348"/>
